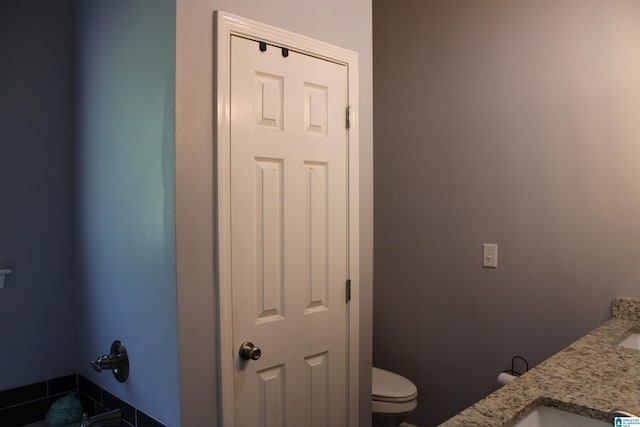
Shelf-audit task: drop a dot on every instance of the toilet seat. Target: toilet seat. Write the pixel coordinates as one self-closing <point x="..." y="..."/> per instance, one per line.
<point x="393" y="398"/>
<point x="389" y="387"/>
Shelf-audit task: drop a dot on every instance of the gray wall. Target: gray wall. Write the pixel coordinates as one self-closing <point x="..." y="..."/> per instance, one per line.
<point x="346" y="24"/>
<point x="37" y="310"/>
<point x="507" y="122"/>
<point x="125" y="108"/>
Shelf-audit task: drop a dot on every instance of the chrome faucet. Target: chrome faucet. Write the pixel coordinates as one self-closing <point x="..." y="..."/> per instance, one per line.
<point x="117" y="360"/>
<point x="110" y="361"/>
<point x="111" y="418"/>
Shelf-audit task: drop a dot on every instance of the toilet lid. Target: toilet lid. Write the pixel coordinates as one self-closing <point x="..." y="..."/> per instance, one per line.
<point x="390" y="387"/>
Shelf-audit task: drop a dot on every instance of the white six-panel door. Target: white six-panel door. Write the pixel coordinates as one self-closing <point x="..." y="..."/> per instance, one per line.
<point x="289" y="236"/>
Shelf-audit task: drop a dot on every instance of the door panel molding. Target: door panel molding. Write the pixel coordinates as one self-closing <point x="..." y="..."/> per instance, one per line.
<point x="226" y="26"/>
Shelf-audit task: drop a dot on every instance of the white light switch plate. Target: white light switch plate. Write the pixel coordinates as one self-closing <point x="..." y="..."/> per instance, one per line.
<point x="490" y="255"/>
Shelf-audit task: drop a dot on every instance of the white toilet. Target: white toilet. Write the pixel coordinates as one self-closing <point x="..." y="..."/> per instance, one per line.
<point x="393" y="398"/>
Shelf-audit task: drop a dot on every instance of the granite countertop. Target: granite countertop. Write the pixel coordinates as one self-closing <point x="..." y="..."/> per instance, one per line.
<point x="590" y="377"/>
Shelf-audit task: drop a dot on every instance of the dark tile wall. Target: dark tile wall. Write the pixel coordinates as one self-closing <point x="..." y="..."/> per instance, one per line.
<point x="30" y="403"/>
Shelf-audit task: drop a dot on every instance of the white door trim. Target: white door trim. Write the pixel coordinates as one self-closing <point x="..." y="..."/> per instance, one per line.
<point x="227" y="25"/>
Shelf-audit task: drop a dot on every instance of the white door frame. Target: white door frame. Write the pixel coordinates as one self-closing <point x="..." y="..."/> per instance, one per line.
<point x="227" y="25"/>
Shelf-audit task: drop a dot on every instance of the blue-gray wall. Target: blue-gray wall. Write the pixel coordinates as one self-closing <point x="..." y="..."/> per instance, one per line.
<point x="37" y="309"/>
<point x="125" y="56"/>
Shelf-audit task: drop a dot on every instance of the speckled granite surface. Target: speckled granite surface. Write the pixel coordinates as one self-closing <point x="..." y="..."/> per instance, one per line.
<point x="593" y="376"/>
<point x="626" y="308"/>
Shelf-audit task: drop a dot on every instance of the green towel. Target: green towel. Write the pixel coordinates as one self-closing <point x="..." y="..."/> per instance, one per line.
<point x="65" y="410"/>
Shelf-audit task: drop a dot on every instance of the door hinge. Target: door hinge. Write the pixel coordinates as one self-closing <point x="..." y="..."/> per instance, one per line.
<point x="348" y="117"/>
<point x="348" y="290"/>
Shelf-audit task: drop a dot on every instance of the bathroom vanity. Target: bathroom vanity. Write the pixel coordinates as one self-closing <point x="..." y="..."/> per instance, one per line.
<point x="591" y="377"/>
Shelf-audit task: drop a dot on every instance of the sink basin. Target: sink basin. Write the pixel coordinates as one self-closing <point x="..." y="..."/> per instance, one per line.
<point x="632" y="341"/>
<point x="545" y="416"/>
